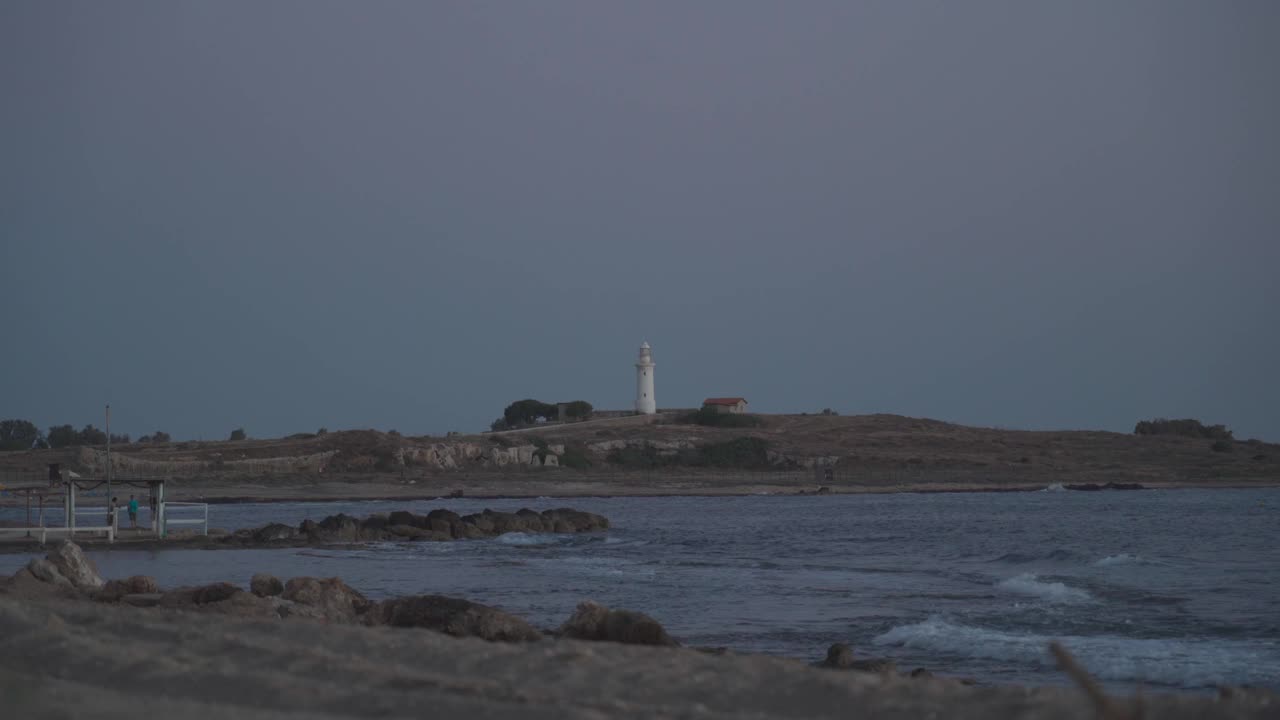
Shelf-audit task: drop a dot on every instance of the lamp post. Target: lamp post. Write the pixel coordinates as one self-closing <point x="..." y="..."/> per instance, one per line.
<point x="108" y="455"/>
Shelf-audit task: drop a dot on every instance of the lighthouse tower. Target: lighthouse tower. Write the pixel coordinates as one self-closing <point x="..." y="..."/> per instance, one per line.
<point x="645" y="404"/>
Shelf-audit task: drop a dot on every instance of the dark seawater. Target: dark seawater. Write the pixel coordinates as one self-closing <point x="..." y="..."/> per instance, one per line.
<point x="1175" y="589"/>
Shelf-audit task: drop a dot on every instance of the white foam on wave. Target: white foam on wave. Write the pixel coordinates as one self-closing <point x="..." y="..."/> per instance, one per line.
<point x="1185" y="662"/>
<point x="1121" y="559"/>
<point x="1027" y="584"/>
<point x="1056" y="487"/>
<point x="519" y="538"/>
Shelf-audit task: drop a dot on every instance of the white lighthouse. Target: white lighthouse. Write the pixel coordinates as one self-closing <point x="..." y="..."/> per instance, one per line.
<point x="645" y="404"/>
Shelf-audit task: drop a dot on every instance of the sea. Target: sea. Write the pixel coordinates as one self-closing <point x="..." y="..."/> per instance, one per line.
<point x="1163" y="589"/>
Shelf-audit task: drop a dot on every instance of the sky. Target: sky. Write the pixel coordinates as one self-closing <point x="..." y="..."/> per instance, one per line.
<point x="401" y="215"/>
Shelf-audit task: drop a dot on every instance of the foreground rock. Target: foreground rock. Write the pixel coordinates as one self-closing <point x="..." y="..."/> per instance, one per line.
<point x="438" y="525"/>
<point x="335" y="600"/>
<point x="593" y="621"/>
<point x="452" y="616"/>
<point x="67" y="566"/>
<point x="114" y="590"/>
<point x="264" y="585"/>
<point x="840" y="657"/>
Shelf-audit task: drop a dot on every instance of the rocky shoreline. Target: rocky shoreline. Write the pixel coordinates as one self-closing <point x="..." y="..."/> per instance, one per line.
<point x="439" y="525"/>
<point x="81" y="646"/>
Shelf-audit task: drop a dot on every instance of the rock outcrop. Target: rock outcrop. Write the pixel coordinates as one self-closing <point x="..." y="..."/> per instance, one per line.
<point x="264" y="585"/>
<point x="593" y="621"/>
<point x="74" y="566"/>
<point x="335" y="600"/>
<point x="840" y="657"/>
<point x="1093" y="487"/>
<point x="438" y="525"/>
<point x="67" y="566"/>
<point x="453" y="616"/>
<point x="114" y="590"/>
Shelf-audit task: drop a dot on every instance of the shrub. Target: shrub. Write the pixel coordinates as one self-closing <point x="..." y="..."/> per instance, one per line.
<point x="645" y="457"/>
<point x="576" y="457"/>
<point x="237" y="434"/>
<point x="322" y="431"/>
<point x="742" y="452"/>
<point x="1221" y="446"/>
<point x="1187" y="427"/>
<point x="710" y="418"/>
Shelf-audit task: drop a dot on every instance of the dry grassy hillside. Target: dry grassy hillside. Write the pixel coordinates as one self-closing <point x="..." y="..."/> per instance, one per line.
<point x="865" y="448"/>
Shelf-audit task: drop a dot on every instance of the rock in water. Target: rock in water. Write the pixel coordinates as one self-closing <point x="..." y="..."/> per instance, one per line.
<point x="274" y="532"/>
<point x="74" y="566"/>
<point x="264" y="585"/>
<point x="593" y="621"/>
<point x="338" y="601"/>
<point x="453" y="616"/>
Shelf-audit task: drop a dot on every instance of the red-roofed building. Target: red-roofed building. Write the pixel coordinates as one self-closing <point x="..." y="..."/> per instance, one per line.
<point x="727" y="405"/>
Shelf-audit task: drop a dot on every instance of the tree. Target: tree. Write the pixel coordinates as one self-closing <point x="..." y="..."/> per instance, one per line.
<point x="62" y="436"/>
<point x="91" y="435"/>
<point x="120" y="439"/>
<point x="578" y="410"/>
<point x="527" y="411"/>
<point x="18" y="435"/>
<point x="157" y="437"/>
<point x="237" y="434"/>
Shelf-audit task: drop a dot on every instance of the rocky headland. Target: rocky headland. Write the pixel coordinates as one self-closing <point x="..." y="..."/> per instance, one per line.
<point x="665" y="454"/>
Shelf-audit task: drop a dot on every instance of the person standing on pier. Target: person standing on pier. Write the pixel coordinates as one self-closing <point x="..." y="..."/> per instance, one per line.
<point x="133" y="512"/>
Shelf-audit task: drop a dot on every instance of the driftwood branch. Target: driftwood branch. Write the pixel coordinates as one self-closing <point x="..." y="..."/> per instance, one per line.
<point x="1108" y="708"/>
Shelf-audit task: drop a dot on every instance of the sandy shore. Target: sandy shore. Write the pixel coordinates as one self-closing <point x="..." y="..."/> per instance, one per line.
<point x="79" y="659"/>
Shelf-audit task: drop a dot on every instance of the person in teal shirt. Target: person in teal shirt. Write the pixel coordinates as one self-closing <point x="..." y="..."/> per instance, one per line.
<point x="133" y="512"/>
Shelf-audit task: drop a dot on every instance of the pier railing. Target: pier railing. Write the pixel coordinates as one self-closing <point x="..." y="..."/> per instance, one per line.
<point x="201" y="509"/>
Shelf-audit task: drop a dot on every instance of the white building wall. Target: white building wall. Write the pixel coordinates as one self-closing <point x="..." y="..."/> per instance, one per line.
<point x="646" y="404"/>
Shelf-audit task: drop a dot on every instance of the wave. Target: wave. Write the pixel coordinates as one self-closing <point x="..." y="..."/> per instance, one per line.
<point x="525" y="539"/>
<point x="1183" y="662"/>
<point x="1124" y="559"/>
<point x="1056" y="487"/>
<point x="1028" y="584"/>
<point x="1017" y="558"/>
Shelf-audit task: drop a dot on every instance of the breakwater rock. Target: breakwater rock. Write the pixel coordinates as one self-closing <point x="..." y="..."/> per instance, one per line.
<point x="1091" y="487"/>
<point x="437" y="525"/>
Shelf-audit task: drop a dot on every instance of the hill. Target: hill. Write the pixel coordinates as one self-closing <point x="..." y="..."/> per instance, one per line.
<point x="669" y="453"/>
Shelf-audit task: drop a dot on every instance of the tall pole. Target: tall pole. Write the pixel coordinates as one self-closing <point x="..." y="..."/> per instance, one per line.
<point x="108" y="455"/>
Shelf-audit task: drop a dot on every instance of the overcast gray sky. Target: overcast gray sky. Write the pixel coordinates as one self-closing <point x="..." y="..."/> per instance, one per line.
<point x="288" y="215"/>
